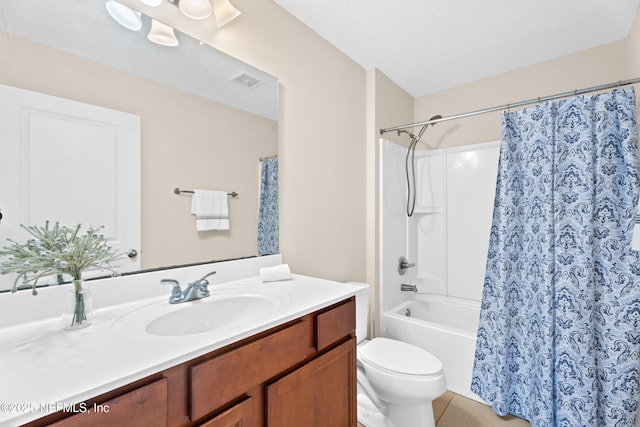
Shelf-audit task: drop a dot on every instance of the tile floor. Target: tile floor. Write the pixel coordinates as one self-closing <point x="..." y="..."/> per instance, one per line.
<point x="453" y="410"/>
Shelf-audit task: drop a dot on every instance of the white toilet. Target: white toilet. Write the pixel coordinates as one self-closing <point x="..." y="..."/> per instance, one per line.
<point x="397" y="381"/>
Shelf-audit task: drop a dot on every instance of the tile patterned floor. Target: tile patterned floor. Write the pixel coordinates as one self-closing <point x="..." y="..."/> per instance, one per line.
<point x="453" y="410"/>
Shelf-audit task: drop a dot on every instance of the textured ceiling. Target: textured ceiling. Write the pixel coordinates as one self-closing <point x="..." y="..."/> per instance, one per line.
<point x="429" y="45"/>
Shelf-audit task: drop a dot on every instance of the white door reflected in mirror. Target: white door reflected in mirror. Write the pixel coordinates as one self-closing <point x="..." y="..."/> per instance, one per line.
<point x="69" y="162"/>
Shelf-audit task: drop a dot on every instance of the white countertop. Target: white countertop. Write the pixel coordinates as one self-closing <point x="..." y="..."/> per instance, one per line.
<point x="43" y="367"/>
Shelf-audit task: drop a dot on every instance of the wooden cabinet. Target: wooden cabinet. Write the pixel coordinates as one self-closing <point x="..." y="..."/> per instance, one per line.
<point x="144" y="406"/>
<point x="318" y="394"/>
<point x="240" y="415"/>
<point x="299" y="373"/>
<point x="219" y="380"/>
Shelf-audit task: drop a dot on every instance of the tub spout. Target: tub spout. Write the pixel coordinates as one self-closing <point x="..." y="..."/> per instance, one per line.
<point x="412" y="288"/>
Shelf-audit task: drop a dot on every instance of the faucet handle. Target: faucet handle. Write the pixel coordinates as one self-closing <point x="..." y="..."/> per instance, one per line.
<point x="176" y="292"/>
<point x="204" y="282"/>
<point x="403" y="264"/>
<point x="208" y="274"/>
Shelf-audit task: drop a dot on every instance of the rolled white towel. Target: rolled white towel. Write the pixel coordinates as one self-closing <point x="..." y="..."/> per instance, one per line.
<point x="276" y="273"/>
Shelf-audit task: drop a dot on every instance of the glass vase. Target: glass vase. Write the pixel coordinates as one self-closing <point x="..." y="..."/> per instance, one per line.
<point x="78" y="307"/>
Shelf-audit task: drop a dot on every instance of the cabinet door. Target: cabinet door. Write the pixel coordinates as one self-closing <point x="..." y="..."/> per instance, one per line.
<point x="217" y="381"/>
<point x="144" y="406"/>
<point x="321" y="393"/>
<point x="239" y="415"/>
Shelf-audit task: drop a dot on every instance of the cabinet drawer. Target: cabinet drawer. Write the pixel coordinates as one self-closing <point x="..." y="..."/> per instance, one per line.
<point x="239" y="415"/>
<point x="335" y="323"/>
<point x="144" y="406"/>
<point x="228" y="376"/>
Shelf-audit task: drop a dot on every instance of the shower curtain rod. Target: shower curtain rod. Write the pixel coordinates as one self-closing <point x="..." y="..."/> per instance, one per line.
<point x="515" y="105"/>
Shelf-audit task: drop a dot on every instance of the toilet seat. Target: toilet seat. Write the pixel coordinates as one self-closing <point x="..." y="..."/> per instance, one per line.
<point x="400" y="357"/>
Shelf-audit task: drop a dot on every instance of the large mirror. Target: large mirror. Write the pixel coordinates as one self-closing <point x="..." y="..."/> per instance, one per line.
<point x="206" y="120"/>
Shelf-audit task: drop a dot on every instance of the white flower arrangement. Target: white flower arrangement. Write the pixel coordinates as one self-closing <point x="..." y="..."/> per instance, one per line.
<point x="57" y="250"/>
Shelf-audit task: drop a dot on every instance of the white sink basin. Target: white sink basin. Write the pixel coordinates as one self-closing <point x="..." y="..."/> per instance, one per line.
<point x="223" y="309"/>
<point x="209" y="314"/>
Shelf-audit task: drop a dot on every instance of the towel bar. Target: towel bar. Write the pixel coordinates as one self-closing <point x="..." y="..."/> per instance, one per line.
<point x="179" y="191"/>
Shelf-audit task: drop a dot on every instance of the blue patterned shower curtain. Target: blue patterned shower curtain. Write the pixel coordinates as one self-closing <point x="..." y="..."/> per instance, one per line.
<point x="559" y="335"/>
<point x="268" y="223"/>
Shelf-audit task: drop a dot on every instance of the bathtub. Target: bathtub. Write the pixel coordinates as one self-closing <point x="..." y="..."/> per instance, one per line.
<point x="444" y="326"/>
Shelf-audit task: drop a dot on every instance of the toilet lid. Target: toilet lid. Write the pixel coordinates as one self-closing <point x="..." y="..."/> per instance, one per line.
<point x="400" y="357"/>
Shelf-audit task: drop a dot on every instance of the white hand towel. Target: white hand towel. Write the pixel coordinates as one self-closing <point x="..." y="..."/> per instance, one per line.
<point x="276" y="273"/>
<point x="211" y="209"/>
<point x="635" y="240"/>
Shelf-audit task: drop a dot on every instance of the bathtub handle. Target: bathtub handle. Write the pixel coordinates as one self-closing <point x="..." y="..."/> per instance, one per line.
<point x="403" y="264"/>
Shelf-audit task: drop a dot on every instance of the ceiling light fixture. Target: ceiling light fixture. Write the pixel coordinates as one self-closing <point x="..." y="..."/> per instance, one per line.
<point x="162" y="34"/>
<point x="224" y="12"/>
<point x="196" y="9"/>
<point x="124" y="15"/>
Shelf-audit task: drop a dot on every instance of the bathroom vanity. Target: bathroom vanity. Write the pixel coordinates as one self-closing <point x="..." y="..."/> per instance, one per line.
<point x="291" y="365"/>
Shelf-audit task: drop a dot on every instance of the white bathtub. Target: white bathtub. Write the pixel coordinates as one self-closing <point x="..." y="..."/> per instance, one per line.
<point x="445" y="327"/>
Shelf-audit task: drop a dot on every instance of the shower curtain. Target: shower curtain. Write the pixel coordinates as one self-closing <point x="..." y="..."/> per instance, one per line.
<point x="559" y="336"/>
<point x="268" y="222"/>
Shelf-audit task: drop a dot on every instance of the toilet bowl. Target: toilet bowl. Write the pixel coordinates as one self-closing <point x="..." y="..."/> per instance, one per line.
<point x="397" y="381"/>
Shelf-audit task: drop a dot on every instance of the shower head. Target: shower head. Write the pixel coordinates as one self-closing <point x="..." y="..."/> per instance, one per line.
<point x="424" y="127"/>
<point x="436" y="117"/>
<point x="410" y="164"/>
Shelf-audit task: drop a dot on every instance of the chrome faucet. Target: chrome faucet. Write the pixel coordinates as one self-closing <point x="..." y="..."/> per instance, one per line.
<point x="411" y="288"/>
<point x="403" y="264"/>
<point x="195" y="290"/>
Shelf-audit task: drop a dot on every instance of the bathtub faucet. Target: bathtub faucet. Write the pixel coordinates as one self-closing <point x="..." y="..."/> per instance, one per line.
<point x="405" y="287"/>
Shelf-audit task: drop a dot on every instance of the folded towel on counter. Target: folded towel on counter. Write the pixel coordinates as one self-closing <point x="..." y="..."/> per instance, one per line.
<point x="211" y="209"/>
<point x="276" y="273"/>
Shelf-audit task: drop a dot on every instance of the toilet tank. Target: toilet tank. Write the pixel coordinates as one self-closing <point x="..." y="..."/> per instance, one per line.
<point x="362" y="310"/>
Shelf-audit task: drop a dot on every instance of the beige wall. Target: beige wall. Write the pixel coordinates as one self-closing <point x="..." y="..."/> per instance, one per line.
<point x="608" y="63"/>
<point x="186" y="141"/>
<point x="322" y="139"/>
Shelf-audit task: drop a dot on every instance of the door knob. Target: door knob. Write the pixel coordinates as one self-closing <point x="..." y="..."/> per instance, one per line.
<point x="132" y="253"/>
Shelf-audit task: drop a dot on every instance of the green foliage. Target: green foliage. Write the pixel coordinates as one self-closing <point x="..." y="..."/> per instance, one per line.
<point x="57" y="250"/>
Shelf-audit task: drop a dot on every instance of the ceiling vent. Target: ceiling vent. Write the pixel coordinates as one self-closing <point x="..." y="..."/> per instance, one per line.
<point x="246" y="80"/>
